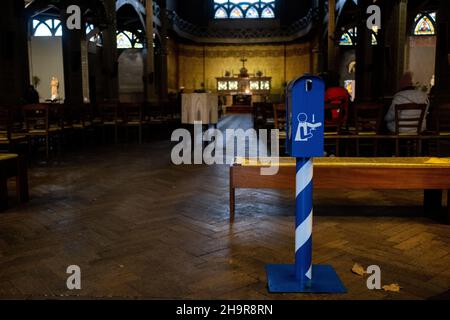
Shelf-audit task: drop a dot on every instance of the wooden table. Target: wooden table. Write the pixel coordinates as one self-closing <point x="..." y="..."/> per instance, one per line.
<point x="13" y="165"/>
<point x="429" y="174"/>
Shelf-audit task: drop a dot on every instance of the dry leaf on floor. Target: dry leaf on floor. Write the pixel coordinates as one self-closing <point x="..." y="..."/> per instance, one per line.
<point x="392" y="288"/>
<point x="359" y="270"/>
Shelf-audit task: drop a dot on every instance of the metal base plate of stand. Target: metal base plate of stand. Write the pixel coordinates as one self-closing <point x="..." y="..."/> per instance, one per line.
<point x="281" y="279"/>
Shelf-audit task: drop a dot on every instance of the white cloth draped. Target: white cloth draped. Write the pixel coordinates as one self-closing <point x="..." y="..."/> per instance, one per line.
<point x="202" y="107"/>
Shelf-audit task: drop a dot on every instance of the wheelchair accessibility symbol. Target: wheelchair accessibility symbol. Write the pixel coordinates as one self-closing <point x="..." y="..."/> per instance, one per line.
<point x="305" y="128"/>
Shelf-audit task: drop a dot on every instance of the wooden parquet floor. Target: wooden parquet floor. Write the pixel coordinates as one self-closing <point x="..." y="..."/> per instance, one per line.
<point x="140" y="227"/>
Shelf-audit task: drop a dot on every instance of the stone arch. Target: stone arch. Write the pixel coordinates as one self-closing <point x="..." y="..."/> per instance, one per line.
<point x="137" y="6"/>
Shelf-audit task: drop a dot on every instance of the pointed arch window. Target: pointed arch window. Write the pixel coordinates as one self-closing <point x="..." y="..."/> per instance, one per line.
<point x="129" y="40"/>
<point x="236" y="13"/>
<point x="46" y="28"/>
<point x="425" y="24"/>
<point x="244" y="9"/>
<point x="268" y="13"/>
<point x="252" y="13"/>
<point x="96" y="38"/>
<point x="346" y="40"/>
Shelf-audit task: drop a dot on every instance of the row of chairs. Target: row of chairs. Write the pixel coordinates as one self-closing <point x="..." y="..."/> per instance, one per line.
<point x="363" y="127"/>
<point x="366" y="128"/>
<point x="264" y="115"/>
<point x="48" y="124"/>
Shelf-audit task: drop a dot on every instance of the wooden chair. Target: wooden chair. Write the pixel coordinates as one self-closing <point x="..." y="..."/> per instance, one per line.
<point x="153" y="114"/>
<point x="367" y="119"/>
<point x="279" y="119"/>
<point x="61" y="116"/>
<point x="82" y="116"/>
<point x="11" y="136"/>
<point x="96" y="114"/>
<point x="133" y="118"/>
<point x="110" y="118"/>
<point x="82" y="119"/>
<point x="409" y="120"/>
<point x="442" y="124"/>
<point x="171" y="111"/>
<point x="333" y="127"/>
<point x="13" y="165"/>
<point x="39" y="125"/>
<point x="264" y="115"/>
<point x="279" y="112"/>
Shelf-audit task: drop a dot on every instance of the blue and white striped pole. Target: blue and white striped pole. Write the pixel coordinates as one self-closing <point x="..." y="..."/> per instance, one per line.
<point x="304" y="220"/>
<point x="298" y="278"/>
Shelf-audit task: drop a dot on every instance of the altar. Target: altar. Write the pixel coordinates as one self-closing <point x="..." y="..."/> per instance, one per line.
<point x="242" y="99"/>
<point x="243" y="89"/>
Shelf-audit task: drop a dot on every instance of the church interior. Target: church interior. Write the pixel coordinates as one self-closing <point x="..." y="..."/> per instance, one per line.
<point x="96" y="95"/>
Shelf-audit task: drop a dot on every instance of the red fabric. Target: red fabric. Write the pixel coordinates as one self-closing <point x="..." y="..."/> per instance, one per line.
<point x="338" y="95"/>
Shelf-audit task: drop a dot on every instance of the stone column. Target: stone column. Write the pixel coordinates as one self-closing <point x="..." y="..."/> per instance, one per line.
<point x="331" y="35"/>
<point x="380" y="70"/>
<point x="164" y="87"/>
<point x="149" y="74"/>
<point x="110" y="67"/>
<point x="73" y="74"/>
<point x="14" y="65"/>
<point x="443" y="52"/>
<point x="320" y="45"/>
<point x="400" y="17"/>
<point x="85" y="67"/>
<point x="364" y="56"/>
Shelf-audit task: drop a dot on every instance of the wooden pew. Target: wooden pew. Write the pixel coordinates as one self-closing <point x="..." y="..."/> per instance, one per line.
<point x="429" y="174"/>
<point x="13" y="165"/>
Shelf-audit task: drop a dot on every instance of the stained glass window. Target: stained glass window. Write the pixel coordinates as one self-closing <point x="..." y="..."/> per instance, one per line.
<point x="58" y="31"/>
<point x="425" y="24"/>
<point x="42" y="30"/>
<point x="47" y="28"/>
<point x="251" y="13"/>
<point x="128" y="40"/>
<point x="236" y="13"/>
<point x="374" y="40"/>
<point x="268" y="13"/>
<point x="433" y="16"/>
<point x="346" y="40"/>
<point x="123" y="42"/>
<point x="248" y="9"/>
<point x="97" y="37"/>
<point x="221" y="13"/>
<point x="349" y="37"/>
<point x="89" y="28"/>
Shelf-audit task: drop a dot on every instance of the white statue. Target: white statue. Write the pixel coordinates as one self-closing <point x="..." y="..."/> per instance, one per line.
<point x="54" y="84"/>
